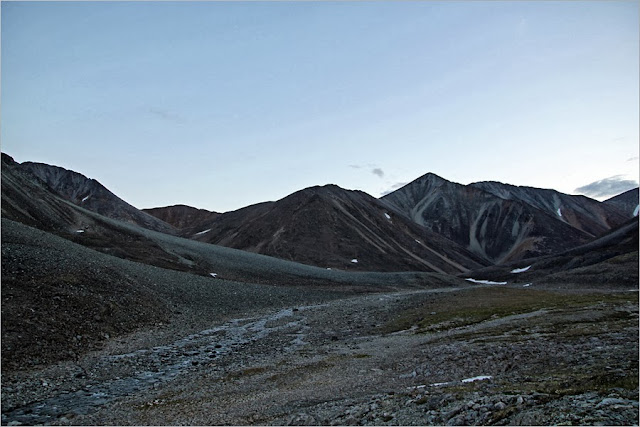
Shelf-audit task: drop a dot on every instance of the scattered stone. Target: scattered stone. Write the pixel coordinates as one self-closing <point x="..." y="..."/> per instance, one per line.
<point x="500" y="406"/>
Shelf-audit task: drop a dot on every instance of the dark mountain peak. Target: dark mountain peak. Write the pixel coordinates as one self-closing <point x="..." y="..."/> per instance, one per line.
<point x="626" y="203"/>
<point x="179" y="206"/>
<point x="433" y="176"/>
<point x="324" y="192"/>
<point x="90" y="194"/>
<point x="502" y="221"/>
<point x="330" y="226"/>
<point x="182" y="216"/>
<point x="7" y="159"/>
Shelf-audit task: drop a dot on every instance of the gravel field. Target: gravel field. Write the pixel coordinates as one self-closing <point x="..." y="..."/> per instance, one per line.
<point x="88" y="338"/>
<point x="342" y="362"/>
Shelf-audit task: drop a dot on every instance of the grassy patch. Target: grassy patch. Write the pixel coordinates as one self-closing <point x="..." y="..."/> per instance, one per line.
<point x="361" y="356"/>
<point x="601" y="382"/>
<point x="480" y="304"/>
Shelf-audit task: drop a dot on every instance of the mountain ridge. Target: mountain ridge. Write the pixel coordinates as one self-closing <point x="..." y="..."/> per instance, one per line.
<point x="519" y="224"/>
<point x="335" y="228"/>
<point x="430" y="224"/>
<point x="91" y="194"/>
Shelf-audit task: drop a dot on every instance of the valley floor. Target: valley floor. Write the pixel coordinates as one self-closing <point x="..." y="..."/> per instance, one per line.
<point x="479" y="355"/>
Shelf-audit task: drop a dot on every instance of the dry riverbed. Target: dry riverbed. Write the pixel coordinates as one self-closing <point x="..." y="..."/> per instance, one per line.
<point x="485" y="355"/>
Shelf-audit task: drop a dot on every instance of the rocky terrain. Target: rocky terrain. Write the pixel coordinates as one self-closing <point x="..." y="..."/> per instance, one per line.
<point x="110" y="321"/>
<point x="91" y="195"/>
<point x="421" y="357"/>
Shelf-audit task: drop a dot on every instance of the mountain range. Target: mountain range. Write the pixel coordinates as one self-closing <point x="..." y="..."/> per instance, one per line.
<point x="430" y="224"/>
<point x="78" y="261"/>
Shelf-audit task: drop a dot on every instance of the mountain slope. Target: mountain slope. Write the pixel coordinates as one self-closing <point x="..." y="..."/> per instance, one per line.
<point x="494" y="228"/>
<point x="60" y="299"/>
<point x="608" y="262"/>
<point x="181" y="216"/>
<point x="626" y="203"/>
<point x="27" y="200"/>
<point x="332" y="227"/>
<point x="583" y="213"/>
<point x="91" y="195"/>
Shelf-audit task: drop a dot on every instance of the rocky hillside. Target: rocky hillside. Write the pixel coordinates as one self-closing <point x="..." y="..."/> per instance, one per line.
<point x="495" y="228"/>
<point x="336" y="228"/>
<point x="626" y="203"/>
<point x="583" y="213"/>
<point x="181" y="216"/>
<point x="90" y="194"/>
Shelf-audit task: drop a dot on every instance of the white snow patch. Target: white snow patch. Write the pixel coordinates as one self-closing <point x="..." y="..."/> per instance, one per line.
<point x="559" y="213"/>
<point x="328" y="268"/>
<point x="520" y="270"/>
<point x="486" y="282"/>
<point x="85" y="198"/>
<point x="526" y="285"/>
<point x="418" y="241"/>
<point x="478" y="378"/>
<point x="79" y="231"/>
<point x="355" y="261"/>
<point x="437" y="384"/>
<point x="636" y="211"/>
<point x="213" y="274"/>
<point x="202" y="232"/>
<point x="387" y="215"/>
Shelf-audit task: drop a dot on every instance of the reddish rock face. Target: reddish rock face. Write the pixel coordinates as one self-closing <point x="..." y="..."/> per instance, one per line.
<point x="182" y="216"/>
<point x="329" y="227"/>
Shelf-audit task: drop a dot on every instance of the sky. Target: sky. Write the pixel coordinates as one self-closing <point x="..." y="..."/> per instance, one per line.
<point x="219" y="105"/>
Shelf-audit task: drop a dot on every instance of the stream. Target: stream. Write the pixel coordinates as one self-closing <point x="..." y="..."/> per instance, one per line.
<point x="162" y="364"/>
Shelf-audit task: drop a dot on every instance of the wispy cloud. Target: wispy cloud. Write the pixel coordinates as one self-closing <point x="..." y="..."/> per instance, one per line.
<point x="165" y="115"/>
<point x="377" y="171"/>
<point x="393" y="188"/>
<point x="633" y="159"/>
<point x="607" y="187"/>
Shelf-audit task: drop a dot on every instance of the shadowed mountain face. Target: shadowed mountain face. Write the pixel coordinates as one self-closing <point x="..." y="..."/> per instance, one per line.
<point x="91" y="195"/>
<point x="583" y="213"/>
<point x="500" y="222"/>
<point x="608" y="262"/>
<point x="332" y="227"/>
<point x="430" y="224"/>
<point x="626" y="203"/>
<point x="181" y="216"/>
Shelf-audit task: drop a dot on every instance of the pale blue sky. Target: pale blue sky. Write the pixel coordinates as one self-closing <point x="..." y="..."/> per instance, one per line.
<point x="220" y="105"/>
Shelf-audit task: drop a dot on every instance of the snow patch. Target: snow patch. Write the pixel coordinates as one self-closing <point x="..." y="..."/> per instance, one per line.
<point x="559" y="213"/>
<point x="355" y="261"/>
<point x="85" y="198"/>
<point x="520" y="270"/>
<point x="636" y="211"/>
<point x="526" y="285"/>
<point x="213" y="274"/>
<point x="202" y="232"/>
<point x="478" y="378"/>
<point x="328" y="268"/>
<point x="79" y="231"/>
<point x="387" y="215"/>
<point x="485" y="282"/>
<point x="418" y="241"/>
